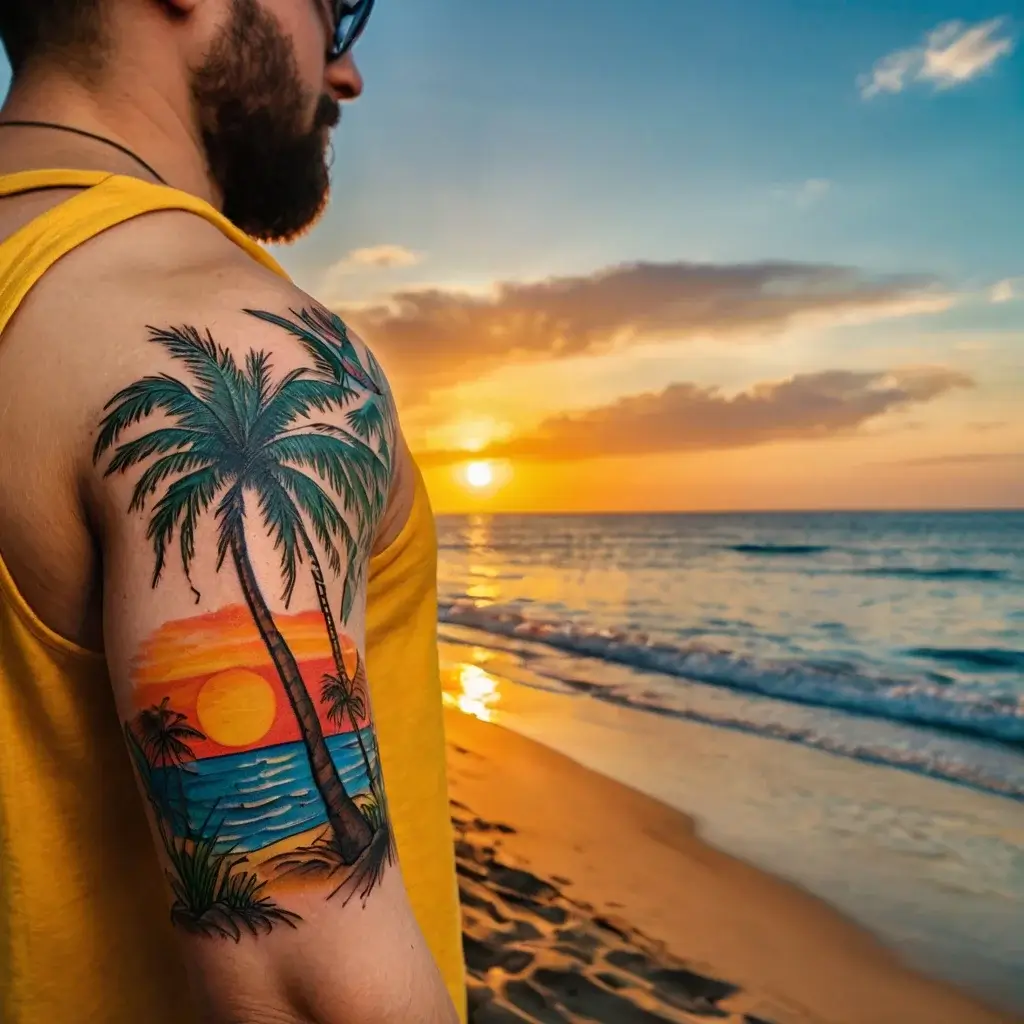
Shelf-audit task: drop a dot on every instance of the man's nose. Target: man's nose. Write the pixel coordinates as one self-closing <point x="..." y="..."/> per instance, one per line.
<point x="343" y="79"/>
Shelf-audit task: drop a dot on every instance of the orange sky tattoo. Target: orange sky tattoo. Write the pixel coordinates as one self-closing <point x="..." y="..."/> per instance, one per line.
<point x="215" y="668"/>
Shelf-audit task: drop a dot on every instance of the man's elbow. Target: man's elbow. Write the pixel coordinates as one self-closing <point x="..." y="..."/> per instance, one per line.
<point x="404" y="990"/>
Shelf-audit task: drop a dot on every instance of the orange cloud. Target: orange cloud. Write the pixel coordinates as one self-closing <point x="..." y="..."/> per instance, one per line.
<point x="685" y="417"/>
<point x="382" y="256"/>
<point x="964" y="459"/>
<point x="433" y="338"/>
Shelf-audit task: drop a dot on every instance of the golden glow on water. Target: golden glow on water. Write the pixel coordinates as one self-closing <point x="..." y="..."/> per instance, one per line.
<point x="477" y="693"/>
<point x="478" y="534"/>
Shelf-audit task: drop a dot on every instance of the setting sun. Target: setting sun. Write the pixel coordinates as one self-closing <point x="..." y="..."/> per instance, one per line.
<point x="484" y="479"/>
<point x="479" y="474"/>
<point x="236" y="707"/>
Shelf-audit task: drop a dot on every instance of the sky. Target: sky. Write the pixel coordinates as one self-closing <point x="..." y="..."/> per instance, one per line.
<point x="215" y="670"/>
<point x="712" y="254"/>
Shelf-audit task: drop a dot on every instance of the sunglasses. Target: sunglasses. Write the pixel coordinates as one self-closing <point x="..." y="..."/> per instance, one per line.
<point x="350" y="18"/>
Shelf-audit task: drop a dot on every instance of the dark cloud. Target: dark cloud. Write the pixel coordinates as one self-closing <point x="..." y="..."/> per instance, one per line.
<point x="686" y="417"/>
<point x="431" y="338"/>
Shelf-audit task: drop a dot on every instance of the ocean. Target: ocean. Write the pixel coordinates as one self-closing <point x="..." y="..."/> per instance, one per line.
<point x="889" y="640"/>
<point x="253" y="799"/>
<point x="890" y="637"/>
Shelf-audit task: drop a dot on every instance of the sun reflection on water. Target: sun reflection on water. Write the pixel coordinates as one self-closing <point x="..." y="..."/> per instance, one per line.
<point x="478" y="694"/>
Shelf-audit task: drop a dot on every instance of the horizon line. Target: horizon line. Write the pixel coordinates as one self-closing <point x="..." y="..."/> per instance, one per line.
<point x="908" y="510"/>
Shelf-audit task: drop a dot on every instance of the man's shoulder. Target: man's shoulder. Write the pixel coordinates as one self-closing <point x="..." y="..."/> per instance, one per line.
<point x="163" y="297"/>
<point x="166" y="264"/>
<point x="87" y="315"/>
<point x="170" y="259"/>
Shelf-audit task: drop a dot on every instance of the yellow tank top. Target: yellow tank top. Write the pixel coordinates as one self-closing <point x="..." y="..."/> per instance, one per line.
<point x="84" y="930"/>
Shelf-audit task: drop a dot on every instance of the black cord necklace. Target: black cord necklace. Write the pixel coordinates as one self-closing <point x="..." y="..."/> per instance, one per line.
<point x="88" y="135"/>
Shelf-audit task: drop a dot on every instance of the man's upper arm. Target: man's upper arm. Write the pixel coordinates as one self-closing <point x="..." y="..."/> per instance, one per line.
<point x="240" y="466"/>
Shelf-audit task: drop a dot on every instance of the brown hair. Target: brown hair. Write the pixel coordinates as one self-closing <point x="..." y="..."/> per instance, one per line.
<point x="72" y="29"/>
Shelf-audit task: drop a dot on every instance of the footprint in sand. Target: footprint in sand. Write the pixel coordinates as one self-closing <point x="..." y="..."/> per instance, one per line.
<point x="536" y="957"/>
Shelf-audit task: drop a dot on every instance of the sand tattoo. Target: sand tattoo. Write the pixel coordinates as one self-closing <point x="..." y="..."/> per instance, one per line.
<point x="252" y="733"/>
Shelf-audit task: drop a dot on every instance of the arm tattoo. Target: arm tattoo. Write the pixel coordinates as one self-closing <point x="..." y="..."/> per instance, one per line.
<point x="252" y="733"/>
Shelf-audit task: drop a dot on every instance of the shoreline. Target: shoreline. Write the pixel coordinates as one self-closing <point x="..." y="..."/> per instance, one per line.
<point x="844" y="725"/>
<point x="640" y="886"/>
<point x="929" y="868"/>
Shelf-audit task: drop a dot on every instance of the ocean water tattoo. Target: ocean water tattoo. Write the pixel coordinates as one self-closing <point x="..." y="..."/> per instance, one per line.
<point x="252" y="734"/>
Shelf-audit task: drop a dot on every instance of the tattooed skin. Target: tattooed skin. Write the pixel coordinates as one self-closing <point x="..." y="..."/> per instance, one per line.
<point x="252" y="733"/>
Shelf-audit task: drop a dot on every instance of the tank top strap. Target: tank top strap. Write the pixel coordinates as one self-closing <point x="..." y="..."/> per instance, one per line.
<point x="105" y="201"/>
<point x="38" y="181"/>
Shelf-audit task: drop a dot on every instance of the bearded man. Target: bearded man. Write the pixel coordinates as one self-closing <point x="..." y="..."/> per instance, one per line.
<point x="222" y="779"/>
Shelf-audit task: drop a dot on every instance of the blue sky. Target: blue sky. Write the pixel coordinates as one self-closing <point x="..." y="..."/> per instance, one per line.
<point x="509" y="163"/>
<point x="575" y="136"/>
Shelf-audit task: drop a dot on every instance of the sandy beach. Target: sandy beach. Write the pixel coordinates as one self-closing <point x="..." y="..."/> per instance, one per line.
<point x="585" y="900"/>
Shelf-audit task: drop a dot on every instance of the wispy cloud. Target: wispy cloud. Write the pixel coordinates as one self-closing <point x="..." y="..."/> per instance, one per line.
<point x="966" y="459"/>
<point x="1003" y="291"/>
<point x="950" y="54"/>
<point x="332" y="284"/>
<point x="376" y="257"/>
<point x="687" y="417"/>
<point x="805" y="194"/>
<point x="813" y="190"/>
<point x="437" y="337"/>
<point x="957" y="53"/>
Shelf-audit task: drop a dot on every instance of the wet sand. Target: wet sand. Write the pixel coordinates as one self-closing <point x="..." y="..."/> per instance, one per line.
<point x="584" y="900"/>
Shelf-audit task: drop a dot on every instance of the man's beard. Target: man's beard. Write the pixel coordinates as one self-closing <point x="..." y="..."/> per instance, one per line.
<point x="270" y="165"/>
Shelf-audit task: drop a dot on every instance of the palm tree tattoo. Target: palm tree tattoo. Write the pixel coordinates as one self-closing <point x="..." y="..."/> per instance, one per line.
<point x="235" y="438"/>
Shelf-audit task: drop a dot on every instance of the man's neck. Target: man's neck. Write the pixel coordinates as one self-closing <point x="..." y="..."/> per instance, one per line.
<point x="156" y="125"/>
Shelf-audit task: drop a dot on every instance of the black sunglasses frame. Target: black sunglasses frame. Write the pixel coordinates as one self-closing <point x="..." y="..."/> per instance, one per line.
<point x="345" y="36"/>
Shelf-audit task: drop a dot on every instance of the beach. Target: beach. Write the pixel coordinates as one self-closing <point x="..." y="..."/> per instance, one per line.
<point x="584" y="899"/>
<point x="834" y="699"/>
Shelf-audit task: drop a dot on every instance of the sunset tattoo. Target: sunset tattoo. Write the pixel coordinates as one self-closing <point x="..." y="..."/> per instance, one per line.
<point x="252" y="733"/>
